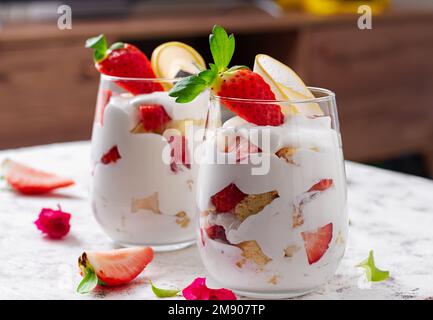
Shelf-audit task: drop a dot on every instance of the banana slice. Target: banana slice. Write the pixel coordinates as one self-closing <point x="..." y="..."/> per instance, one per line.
<point x="176" y="59"/>
<point x="286" y="84"/>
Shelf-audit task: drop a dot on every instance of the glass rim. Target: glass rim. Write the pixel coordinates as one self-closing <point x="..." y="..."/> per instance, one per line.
<point x="327" y="96"/>
<point x="116" y="78"/>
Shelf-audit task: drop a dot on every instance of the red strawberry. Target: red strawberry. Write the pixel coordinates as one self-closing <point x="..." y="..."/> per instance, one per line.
<point x="236" y="82"/>
<point x="216" y="232"/>
<point x="103" y="99"/>
<point x="124" y="60"/>
<point x="317" y="242"/>
<point x="115" y="267"/>
<point x="246" y="84"/>
<point x="179" y="153"/>
<point x="227" y="198"/>
<point x="111" y="156"/>
<point x="31" y="181"/>
<point x="153" y="117"/>
<point x="322" y="185"/>
<point x="244" y="148"/>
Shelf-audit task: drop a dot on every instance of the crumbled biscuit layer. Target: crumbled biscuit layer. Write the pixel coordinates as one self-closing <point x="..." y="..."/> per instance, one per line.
<point x="286" y="153"/>
<point x="253" y="204"/>
<point x="252" y="251"/>
<point x="150" y="203"/>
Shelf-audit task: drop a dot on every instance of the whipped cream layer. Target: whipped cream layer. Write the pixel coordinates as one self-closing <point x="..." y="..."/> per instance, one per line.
<point x="139" y="199"/>
<point x="284" y="264"/>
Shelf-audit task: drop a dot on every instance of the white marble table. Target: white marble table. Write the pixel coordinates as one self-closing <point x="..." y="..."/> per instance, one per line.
<point x="389" y="212"/>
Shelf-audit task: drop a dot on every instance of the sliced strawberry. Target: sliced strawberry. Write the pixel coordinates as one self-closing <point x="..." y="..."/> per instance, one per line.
<point x="227" y="198"/>
<point x="179" y="153"/>
<point x="216" y="232"/>
<point x="317" y="242"/>
<point x="27" y="180"/>
<point x="153" y="117"/>
<point x="115" y="267"/>
<point x="124" y="60"/>
<point x="244" y="148"/>
<point x="322" y="185"/>
<point x="246" y="84"/>
<point x="103" y="99"/>
<point x="111" y="156"/>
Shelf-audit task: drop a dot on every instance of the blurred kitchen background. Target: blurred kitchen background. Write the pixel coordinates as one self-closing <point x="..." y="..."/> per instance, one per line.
<point x="383" y="77"/>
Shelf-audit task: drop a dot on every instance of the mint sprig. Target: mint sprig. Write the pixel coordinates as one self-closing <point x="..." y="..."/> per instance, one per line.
<point x="222" y="47"/>
<point x="164" y="293"/>
<point x="373" y="273"/>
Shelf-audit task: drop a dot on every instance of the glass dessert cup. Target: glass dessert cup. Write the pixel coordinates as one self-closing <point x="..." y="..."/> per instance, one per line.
<point x="142" y="186"/>
<point x="272" y="199"/>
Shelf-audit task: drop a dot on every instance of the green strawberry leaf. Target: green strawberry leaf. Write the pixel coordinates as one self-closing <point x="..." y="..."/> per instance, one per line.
<point x="222" y="47"/>
<point x="89" y="282"/>
<point x="190" y="87"/>
<point x="372" y="272"/>
<point x="99" y="46"/>
<point x="164" y="293"/>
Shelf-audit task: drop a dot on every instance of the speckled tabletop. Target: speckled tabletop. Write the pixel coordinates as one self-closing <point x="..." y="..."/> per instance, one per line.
<point x="390" y="213"/>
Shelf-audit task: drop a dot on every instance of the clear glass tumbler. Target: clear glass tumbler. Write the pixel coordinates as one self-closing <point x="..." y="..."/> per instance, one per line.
<point x="143" y="177"/>
<point x="272" y="199"/>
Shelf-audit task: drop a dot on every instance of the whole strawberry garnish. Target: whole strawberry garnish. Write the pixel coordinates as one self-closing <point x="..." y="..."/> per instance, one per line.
<point x="123" y="60"/>
<point x="236" y="82"/>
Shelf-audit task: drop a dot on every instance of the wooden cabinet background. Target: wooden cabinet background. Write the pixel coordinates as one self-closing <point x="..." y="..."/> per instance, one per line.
<point x="383" y="77"/>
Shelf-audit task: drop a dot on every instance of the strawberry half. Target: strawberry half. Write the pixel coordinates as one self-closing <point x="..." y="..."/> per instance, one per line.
<point x="124" y="60"/>
<point x="227" y="198"/>
<point x="317" y="242"/>
<point x="112" y="268"/>
<point x="179" y="153"/>
<point x="237" y="82"/>
<point x="111" y="156"/>
<point x="322" y="185"/>
<point x="27" y="180"/>
<point x="153" y="117"/>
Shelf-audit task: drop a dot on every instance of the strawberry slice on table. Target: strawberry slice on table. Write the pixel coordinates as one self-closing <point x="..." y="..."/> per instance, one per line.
<point x="124" y="60"/>
<point x="111" y="156"/>
<point x="153" y="117"/>
<point x="179" y="153"/>
<point x="322" y="185"/>
<point x="317" y="242"/>
<point x="237" y="82"/>
<point x="112" y="268"/>
<point x="28" y="180"/>
<point x="227" y="199"/>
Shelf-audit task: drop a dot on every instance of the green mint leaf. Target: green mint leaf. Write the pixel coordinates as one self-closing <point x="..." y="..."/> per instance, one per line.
<point x="99" y="46"/>
<point x="89" y="282"/>
<point x="163" y="293"/>
<point x="372" y="272"/>
<point x="222" y="47"/>
<point x="208" y="76"/>
<point x="117" y="45"/>
<point x="188" y="88"/>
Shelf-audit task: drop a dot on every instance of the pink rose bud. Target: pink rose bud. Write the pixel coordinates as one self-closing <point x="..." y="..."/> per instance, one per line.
<point x="198" y="290"/>
<point x="54" y="223"/>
